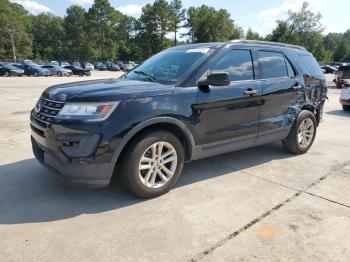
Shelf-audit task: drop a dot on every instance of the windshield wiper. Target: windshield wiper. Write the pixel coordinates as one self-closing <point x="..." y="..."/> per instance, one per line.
<point x="149" y="76"/>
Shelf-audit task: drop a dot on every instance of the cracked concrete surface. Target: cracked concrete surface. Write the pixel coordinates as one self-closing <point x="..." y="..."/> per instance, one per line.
<point x="259" y="204"/>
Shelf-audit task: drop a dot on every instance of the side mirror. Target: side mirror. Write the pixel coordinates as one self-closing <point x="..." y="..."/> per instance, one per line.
<point x="215" y="78"/>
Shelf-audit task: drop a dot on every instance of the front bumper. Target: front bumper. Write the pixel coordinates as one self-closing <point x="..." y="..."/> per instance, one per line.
<point x="79" y="171"/>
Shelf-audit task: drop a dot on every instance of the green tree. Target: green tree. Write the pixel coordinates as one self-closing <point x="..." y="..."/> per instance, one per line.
<point x="76" y="37"/>
<point x="13" y="17"/>
<point x="48" y="36"/>
<point x="178" y="16"/>
<point x="252" y="35"/>
<point x="303" y="28"/>
<point x="102" y="18"/>
<point x="209" y="25"/>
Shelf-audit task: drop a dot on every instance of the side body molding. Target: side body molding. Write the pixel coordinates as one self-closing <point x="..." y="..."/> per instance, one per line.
<point x="150" y="122"/>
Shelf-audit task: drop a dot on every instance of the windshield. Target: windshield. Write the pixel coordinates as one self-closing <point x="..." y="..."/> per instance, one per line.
<point x="169" y="66"/>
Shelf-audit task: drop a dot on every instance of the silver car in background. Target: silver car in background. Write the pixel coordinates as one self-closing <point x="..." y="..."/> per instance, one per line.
<point x="58" y="70"/>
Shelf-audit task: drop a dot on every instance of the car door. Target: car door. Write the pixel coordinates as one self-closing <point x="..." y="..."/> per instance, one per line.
<point x="280" y="89"/>
<point x="228" y="116"/>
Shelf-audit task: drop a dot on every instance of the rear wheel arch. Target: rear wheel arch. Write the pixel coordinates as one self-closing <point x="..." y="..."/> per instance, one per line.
<point x="169" y="124"/>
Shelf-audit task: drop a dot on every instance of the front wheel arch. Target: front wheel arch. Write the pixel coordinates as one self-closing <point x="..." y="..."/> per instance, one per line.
<point x="170" y="124"/>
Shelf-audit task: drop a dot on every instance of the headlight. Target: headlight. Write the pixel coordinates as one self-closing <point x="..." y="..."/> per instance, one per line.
<point x="88" y="112"/>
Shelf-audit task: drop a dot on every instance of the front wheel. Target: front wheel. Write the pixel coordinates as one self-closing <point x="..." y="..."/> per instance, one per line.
<point x="302" y="133"/>
<point x="152" y="164"/>
<point x="59" y="74"/>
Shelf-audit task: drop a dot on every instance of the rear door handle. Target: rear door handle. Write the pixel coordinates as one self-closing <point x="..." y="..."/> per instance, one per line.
<point x="251" y="92"/>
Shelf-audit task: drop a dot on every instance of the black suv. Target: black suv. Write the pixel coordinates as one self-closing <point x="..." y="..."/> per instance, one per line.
<point x="185" y="103"/>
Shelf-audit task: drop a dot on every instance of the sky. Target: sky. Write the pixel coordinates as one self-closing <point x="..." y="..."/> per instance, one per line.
<point x="260" y="15"/>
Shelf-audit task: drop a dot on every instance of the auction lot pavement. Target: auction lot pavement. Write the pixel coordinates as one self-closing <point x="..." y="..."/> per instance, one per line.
<point x="260" y="204"/>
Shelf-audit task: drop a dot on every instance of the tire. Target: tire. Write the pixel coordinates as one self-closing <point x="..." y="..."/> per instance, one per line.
<point x="59" y="74"/>
<point x="346" y="107"/>
<point x="36" y="74"/>
<point x="339" y="85"/>
<point x="292" y="143"/>
<point x="7" y="74"/>
<point x="134" y="180"/>
<point x="81" y="74"/>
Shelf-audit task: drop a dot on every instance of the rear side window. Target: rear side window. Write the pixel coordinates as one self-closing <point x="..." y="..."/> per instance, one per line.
<point x="310" y="65"/>
<point x="238" y="64"/>
<point x="272" y="64"/>
<point x="344" y="68"/>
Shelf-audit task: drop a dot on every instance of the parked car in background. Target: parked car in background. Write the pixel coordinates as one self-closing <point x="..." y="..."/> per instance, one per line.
<point x="113" y="67"/>
<point x="58" y="70"/>
<point x="10" y="70"/>
<point x="89" y="66"/>
<point x="40" y="63"/>
<point x="54" y="63"/>
<point x="342" y="75"/>
<point x="100" y="66"/>
<point x="185" y="103"/>
<point x="78" y="70"/>
<point x="27" y="62"/>
<point x="329" y="69"/>
<point x="35" y="70"/>
<point x="64" y="63"/>
<point x="77" y="64"/>
<point x="345" y="95"/>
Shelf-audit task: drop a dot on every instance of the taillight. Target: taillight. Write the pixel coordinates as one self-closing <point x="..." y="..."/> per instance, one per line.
<point x="341" y="74"/>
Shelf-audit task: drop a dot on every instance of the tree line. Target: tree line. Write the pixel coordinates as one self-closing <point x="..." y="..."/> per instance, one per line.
<point x="104" y="33"/>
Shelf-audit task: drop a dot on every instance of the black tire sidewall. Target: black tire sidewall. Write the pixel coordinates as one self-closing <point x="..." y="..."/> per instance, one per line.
<point x="135" y="150"/>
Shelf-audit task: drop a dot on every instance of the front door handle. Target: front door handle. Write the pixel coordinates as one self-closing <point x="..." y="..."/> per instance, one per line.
<point x="251" y="92"/>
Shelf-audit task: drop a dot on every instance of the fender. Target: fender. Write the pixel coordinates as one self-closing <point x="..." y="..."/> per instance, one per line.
<point x="150" y="122"/>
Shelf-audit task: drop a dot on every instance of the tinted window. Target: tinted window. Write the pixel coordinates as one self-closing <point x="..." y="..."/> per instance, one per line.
<point x="272" y="64"/>
<point x="238" y="64"/>
<point x="310" y="65"/>
<point x="290" y="69"/>
<point x="344" y="68"/>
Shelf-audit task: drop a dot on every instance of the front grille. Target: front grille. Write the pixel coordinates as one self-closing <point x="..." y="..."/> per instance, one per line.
<point x="46" y="111"/>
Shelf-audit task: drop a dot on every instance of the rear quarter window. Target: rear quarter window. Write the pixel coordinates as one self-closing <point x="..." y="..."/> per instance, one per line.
<point x="310" y="65"/>
<point x="344" y="68"/>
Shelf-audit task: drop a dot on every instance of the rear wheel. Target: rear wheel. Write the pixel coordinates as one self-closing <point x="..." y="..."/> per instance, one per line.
<point x="81" y="74"/>
<point x="302" y="133"/>
<point x="36" y="74"/>
<point x="152" y="164"/>
<point x="7" y="74"/>
<point x="59" y="73"/>
<point x="346" y="107"/>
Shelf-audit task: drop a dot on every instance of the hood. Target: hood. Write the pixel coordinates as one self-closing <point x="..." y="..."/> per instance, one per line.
<point x="105" y="90"/>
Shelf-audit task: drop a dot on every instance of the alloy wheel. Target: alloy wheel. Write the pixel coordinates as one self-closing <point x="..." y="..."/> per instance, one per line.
<point x="157" y="165"/>
<point x="306" y="133"/>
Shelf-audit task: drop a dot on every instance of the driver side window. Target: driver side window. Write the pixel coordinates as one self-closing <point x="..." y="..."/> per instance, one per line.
<point x="237" y="63"/>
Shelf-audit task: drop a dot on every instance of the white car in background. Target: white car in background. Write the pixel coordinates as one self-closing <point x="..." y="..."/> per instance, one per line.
<point x="54" y="63"/>
<point x="345" y="95"/>
<point x="89" y="66"/>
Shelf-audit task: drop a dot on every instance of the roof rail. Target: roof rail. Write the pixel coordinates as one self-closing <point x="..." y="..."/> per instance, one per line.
<point x="243" y="41"/>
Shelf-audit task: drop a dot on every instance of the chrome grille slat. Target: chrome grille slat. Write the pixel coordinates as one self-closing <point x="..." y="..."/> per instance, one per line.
<point x="46" y="111"/>
<point x="57" y="109"/>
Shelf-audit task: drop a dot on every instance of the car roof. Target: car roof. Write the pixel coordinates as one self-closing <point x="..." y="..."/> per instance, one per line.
<point x="240" y="42"/>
